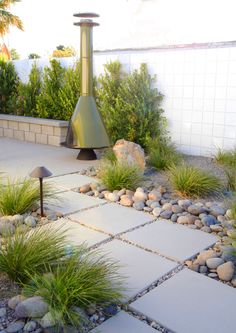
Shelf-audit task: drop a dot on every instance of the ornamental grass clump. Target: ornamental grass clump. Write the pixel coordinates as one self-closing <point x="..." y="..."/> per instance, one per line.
<point x="189" y="181"/>
<point x="86" y="279"/>
<point x="226" y="158"/>
<point x="119" y="175"/>
<point x="31" y="252"/>
<point x="18" y="196"/>
<point x="162" y="154"/>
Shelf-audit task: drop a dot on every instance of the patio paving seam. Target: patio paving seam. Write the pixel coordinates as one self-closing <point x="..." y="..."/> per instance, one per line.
<point x="83" y="209"/>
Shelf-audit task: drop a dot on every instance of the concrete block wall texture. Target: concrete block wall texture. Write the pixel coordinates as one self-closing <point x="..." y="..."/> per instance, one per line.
<point x="199" y="85"/>
<point x="44" y="131"/>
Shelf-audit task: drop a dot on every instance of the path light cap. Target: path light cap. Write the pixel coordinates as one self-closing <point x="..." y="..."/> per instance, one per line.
<point x="87" y="14"/>
<point x="40" y="172"/>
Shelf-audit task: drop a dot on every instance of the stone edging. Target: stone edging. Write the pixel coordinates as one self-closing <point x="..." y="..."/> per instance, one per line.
<point x="36" y="130"/>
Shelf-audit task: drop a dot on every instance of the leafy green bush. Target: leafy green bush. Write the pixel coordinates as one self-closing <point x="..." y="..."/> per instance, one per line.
<point x="32" y="252"/>
<point x="18" y="196"/>
<point x="9" y="81"/>
<point x="83" y="280"/>
<point x="116" y="176"/>
<point x="60" y="91"/>
<point x="226" y="158"/>
<point x="26" y="101"/>
<point x="162" y="154"/>
<point x="129" y="104"/>
<point x="189" y="181"/>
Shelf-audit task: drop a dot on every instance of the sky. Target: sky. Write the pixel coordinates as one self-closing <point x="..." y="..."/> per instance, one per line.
<point x="123" y="23"/>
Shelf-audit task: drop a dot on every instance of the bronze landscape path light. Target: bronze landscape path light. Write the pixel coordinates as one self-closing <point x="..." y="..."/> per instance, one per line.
<point x="40" y="173"/>
<point x="86" y="129"/>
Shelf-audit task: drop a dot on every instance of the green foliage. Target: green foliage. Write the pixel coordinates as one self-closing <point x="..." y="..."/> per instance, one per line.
<point x="62" y="51"/>
<point x="14" y="54"/>
<point x="230" y="174"/>
<point x="116" y="176"/>
<point x="87" y="278"/>
<point x="33" y="56"/>
<point x="28" y="93"/>
<point x="60" y="91"/>
<point x="162" y="154"/>
<point x="129" y="104"/>
<point x="226" y="158"/>
<point x="189" y="181"/>
<point x="18" y="196"/>
<point x="31" y="252"/>
<point x="109" y="156"/>
<point x="8" y="86"/>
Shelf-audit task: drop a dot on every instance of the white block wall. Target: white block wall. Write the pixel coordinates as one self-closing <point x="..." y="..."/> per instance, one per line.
<point x="199" y="85"/>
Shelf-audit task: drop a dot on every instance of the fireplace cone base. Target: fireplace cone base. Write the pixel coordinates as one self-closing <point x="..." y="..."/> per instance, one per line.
<point x="86" y="154"/>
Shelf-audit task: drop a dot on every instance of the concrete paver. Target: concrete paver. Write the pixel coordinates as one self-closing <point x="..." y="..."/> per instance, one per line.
<point x="70" y="202"/>
<point x="71" y="181"/>
<point x="123" y="323"/>
<point x="112" y="218"/>
<point x="191" y="302"/>
<point x="76" y="234"/>
<point x="171" y="240"/>
<point x="141" y="268"/>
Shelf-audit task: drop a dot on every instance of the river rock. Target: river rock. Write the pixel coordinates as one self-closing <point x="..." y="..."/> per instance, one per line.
<point x="113" y="197"/>
<point x="129" y="152"/>
<point x="30" y="221"/>
<point x="216" y="228"/>
<point x="140" y="195"/>
<point x="203" y="256"/>
<point x="30" y="326"/>
<point x="157" y="211"/>
<point x="139" y="205"/>
<point x="186" y="219"/>
<point x="166" y="214"/>
<point x="226" y="271"/>
<point x="15" y="326"/>
<point x="85" y="188"/>
<point x="3" y="312"/>
<point x="126" y="200"/>
<point x="12" y="303"/>
<point x="196" y="210"/>
<point x="167" y="206"/>
<point x="184" y="203"/>
<point x="47" y="320"/>
<point x="209" y="220"/>
<point x="176" y="209"/>
<point x="17" y="219"/>
<point x="174" y="217"/>
<point x="216" y="211"/>
<point x="31" y="307"/>
<point x="213" y="263"/>
<point x="155" y="195"/>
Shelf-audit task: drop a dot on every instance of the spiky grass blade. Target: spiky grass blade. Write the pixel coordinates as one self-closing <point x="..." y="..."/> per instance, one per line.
<point x="18" y="196"/>
<point x="84" y="279"/>
<point x="189" y="181"/>
<point x="226" y="158"/>
<point x="116" y="176"/>
<point x="31" y="252"/>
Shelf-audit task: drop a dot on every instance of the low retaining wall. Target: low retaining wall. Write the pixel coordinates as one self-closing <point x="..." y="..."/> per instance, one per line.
<point x="37" y="130"/>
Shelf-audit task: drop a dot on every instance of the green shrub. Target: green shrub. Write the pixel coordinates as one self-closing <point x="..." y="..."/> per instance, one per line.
<point x="60" y="91"/>
<point x="226" y="158"/>
<point x="18" y="196"/>
<point x="9" y="81"/>
<point x="32" y="252"/>
<point x="27" y="94"/>
<point x="116" y="176"/>
<point x="230" y="174"/>
<point x="129" y="104"/>
<point x="162" y="154"/>
<point x="189" y="181"/>
<point x="83" y="280"/>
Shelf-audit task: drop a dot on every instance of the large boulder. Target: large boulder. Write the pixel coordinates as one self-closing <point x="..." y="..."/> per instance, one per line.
<point x="129" y="152"/>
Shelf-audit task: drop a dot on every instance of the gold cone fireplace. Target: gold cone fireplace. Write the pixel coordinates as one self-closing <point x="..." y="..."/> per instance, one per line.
<point x="86" y="129"/>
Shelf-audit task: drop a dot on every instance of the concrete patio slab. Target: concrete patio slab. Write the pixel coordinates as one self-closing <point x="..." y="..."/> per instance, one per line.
<point x="70" y="202"/>
<point x="140" y="267"/>
<point x="112" y="218"/>
<point x="123" y="323"/>
<point x="174" y="241"/>
<point x="76" y="234"/>
<point x="19" y="158"/>
<point x="70" y="181"/>
<point x="191" y="302"/>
